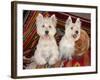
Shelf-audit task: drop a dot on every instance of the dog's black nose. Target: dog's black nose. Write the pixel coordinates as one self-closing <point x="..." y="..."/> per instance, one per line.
<point x="46" y="32"/>
<point x="76" y="32"/>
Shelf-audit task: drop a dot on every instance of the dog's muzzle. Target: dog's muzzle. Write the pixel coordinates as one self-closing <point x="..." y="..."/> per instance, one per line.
<point x="74" y="36"/>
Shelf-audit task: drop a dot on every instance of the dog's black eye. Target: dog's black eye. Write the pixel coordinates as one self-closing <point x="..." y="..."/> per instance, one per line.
<point x="49" y="26"/>
<point x="43" y="26"/>
<point x="71" y="28"/>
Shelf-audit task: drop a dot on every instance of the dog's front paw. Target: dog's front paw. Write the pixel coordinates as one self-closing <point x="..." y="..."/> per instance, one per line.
<point x="40" y="61"/>
<point x="53" y="61"/>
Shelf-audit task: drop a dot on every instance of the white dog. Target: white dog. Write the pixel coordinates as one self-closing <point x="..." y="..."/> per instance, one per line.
<point x="47" y="49"/>
<point x="72" y="34"/>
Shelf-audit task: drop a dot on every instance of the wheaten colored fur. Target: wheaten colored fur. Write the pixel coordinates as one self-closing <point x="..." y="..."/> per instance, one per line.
<point x="72" y="34"/>
<point x="47" y="49"/>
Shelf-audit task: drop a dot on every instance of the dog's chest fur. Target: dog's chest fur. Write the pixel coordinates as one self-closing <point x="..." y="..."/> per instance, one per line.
<point x="46" y="47"/>
<point x="46" y="43"/>
<point x="67" y="46"/>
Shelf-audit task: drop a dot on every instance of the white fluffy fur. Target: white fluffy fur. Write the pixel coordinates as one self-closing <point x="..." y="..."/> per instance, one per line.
<point x="47" y="49"/>
<point x="72" y="34"/>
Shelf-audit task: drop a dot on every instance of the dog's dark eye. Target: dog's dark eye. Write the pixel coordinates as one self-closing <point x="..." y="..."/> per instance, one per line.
<point x="71" y="28"/>
<point x="49" y="26"/>
<point x="43" y="26"/>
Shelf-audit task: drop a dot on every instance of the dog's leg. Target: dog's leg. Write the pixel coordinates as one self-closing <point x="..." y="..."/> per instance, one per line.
<point x="52" y="61"/>
<point x="40" y="61"/>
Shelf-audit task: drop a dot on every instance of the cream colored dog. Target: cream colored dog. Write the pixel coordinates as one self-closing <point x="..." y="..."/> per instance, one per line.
<point x="47" y="49"/>
<point x="72" y="34"/>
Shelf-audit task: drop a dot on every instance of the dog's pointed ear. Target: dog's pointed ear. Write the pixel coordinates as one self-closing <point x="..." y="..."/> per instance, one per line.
<point x="53" y="19"/>
<point x="39" y="18"/>
<point x="69" y="20"/>
<point x="78" y="22"/>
